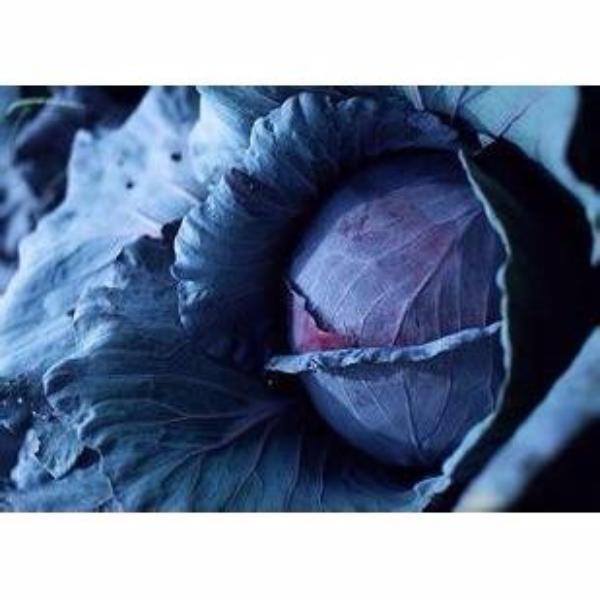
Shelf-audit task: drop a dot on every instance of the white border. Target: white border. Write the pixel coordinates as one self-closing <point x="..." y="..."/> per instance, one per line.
<point x="303" y="41"/>
<point x="304" y="557"/>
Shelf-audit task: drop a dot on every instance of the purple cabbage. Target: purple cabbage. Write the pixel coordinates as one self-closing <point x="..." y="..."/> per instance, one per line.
<point x="140" y="354"/>
<point x="402" y="255"/>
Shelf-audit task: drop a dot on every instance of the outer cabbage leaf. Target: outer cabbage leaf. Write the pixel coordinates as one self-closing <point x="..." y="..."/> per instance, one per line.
<point x="539" y="120"/>
<point x="19" y="398"/>
<point x="33" y="488"/>
<point x="227" y="115"/>
<point x="17" y="201"/>
<point x="82" y="490"/>
<point x="35" y="147"/>
<point x="47" y="451"/>
<point x="42" y="145"/>
<point x="177" y="431"/>
<point x="549" y="463"/>
<point x="548" y="272"/>
<point x="122" y="184"/>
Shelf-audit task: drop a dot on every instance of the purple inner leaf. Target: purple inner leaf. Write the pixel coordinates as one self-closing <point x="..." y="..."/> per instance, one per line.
<point x="402" y="254"/>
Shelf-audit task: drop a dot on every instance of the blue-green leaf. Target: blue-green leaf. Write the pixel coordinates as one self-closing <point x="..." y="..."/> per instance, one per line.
<point x="548" y="272"/>
<point x="122" y="184"/>
<point x="572" y="405"/>
<point x="539" y="120"/>
<point x="175" y="430"/>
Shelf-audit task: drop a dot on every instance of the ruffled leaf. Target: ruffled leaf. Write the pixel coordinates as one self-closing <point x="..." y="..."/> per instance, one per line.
<point x="36" y="132"/>
<point x="20" y="397"/>
<point x="122" y="184"/>
<point x="81" y="486"/>
<point x="176" y="431"/>
<point x="42" y="145"/>
<point x="231" y="249"/>
<point x="227" y="115"/>
<point x="18" y="203"/>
